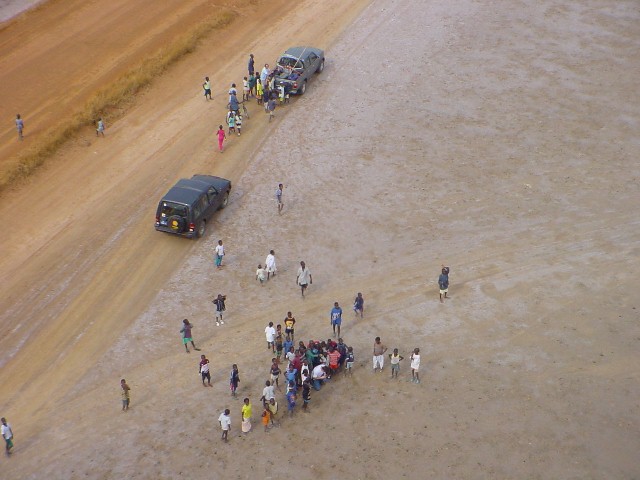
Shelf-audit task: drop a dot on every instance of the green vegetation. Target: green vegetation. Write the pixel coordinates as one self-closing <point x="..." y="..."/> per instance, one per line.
<point x="110" y="102"/>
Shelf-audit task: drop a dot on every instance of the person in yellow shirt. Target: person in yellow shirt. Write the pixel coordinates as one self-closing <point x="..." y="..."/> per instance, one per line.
<point x="246" y="416"/>
<point x="289" y="323"/>
<point x="259" y="91"/>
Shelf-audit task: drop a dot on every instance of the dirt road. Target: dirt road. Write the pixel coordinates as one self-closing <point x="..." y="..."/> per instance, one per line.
<point x="487" y="145"/>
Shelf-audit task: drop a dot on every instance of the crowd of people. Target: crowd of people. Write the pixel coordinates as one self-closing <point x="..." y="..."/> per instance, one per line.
<point x="259" y="85"/>
<point x="308" y="366"/>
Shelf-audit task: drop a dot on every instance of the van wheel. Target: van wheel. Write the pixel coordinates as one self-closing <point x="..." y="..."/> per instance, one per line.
<point x="225" y="201"/>
<point x="320" y="67"/>
<point x="202" y="227"/>
<point x="303" y="88"/>
<point x="176" y="223"/>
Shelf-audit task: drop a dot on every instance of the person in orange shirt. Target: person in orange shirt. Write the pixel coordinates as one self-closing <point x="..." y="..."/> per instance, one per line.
<point x="266" y="416"/>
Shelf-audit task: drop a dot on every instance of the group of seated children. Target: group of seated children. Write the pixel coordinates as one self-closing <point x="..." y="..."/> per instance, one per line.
<point x="308" y="366"/>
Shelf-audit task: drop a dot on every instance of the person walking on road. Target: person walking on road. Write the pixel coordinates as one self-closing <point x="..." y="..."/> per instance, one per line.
<point x="222" y="136"/>
<point x="19" y="126"/>
<point x="250" y="65"/>
<point x="7" y="434"/>
<point x="100" y="128"/>
<point x="304" y="279"/>
<point x="206" y="86"/>
<point x="271" y="106"/>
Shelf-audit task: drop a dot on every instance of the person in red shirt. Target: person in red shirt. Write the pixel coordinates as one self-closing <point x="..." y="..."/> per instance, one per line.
<point x="334" y="359"/>
<point x="221" y="137"/>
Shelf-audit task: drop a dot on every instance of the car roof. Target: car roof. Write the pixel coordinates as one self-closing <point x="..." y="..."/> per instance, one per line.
<point x="187" y="190"/>
<point x="297" y="52"/>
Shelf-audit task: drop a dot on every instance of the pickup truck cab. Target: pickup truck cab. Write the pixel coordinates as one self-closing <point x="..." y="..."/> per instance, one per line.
<point x="296" y="66"/>
<point x="187" y="207"/>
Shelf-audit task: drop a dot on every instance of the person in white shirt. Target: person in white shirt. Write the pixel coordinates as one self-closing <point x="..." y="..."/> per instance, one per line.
<point x="304" y="278"/>
<point x="415" y="366"/>
<point x="219" y="254"/>
<point x="270" y="264"/>
<point x="267" y="393"/>
<point x="260" y="274"/>
<point x="318" y="375"/>
<point x="7" y="434"/>
<point x="304" y="371"/>
<point x="264" y="73"/>
<point x="225" y="424"/>
<point x="270" y="333"/>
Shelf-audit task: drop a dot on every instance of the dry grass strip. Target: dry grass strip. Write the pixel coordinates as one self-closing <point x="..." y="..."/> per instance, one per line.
<point x="112" y="99"/>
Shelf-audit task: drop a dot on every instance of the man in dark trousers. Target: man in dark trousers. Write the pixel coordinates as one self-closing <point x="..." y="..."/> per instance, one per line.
<point x="220" y="308"/>
<point x="250" y="65"/>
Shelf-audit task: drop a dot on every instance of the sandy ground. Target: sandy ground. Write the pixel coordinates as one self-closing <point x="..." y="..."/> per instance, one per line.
<point x="500" y="138"/>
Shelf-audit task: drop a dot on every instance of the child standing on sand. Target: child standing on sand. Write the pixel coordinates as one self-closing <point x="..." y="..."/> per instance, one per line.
<point x="266" y="415"/>
<point x="358" y="305"/>
<point x="225" y="423"/>
<point x="279" y="346"/>
<point x="260" y="274"/>
<point x="350" y="360"/>
<point x="395" y="359"/>
<point x="275" y="372"/>
<point x="443" y="283"/>
<point x="415" y="366"/>
<point x="126" y="398"/>
<point x="234" y="379"/>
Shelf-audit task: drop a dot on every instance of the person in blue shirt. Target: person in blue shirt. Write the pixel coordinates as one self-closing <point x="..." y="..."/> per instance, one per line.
<point x="288" y="343"/>
<point x="336" y="318"/>
<point x="358" y="305"/>
<point x="234" y="105"/>
<point x="443" y="283"/>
